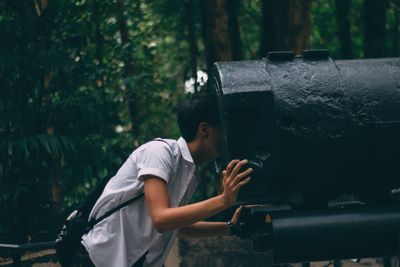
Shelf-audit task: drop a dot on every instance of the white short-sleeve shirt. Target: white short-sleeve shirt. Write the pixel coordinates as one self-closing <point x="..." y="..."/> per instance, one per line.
<point x="122" y="238"/>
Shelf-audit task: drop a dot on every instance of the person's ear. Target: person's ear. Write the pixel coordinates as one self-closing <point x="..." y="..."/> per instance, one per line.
<point x="203" y="129"/>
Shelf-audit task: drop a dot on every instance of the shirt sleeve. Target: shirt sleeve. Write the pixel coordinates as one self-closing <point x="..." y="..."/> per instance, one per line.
<point x="156" y="158"/>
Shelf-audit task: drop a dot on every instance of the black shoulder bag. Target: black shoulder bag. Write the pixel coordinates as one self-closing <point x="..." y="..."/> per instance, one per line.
<point x="77" y="224"/>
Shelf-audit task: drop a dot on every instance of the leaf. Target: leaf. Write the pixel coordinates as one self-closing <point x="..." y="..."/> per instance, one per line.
<point x="68" y="144"/>
<point x="10" y="148"/>
<point x="52" y="141"/>
<point x="24" y="146"/>
<point x="1" y="171"/>
<point x="35" y="145"/>
<point x="43" y="141"/>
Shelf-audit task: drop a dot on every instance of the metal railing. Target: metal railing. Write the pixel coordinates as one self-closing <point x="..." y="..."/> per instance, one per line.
<point x="17" y="251"/>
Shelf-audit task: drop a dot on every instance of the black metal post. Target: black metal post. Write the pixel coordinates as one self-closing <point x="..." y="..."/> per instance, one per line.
<point x="387" y="262"/>
<point x="16" y="256"/>
<point x="337" y="263"/>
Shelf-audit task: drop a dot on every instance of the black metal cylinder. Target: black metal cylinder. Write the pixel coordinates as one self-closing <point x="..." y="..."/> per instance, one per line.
<point x="318" y="128"/>
<point x="298" y="236"/>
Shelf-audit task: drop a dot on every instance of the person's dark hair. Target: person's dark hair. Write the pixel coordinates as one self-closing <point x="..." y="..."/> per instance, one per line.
<point x="200" y="107"/>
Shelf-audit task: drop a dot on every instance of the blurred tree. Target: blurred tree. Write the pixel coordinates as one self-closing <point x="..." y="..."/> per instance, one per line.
<point x="392" y="26"/>
<point x="343" y="21"/>
<point x="220" y="30"/>
<point x="249" y="25"/>
<point x="83" y="83"/>
<point x="192" y="39"/>
<point x="130" y="93"/>
<point x="324" y="33"/>
<point x="286" y="25"/>
<point x="64" y="122"/>
<point x="396" y="26"/>
<point x="235" y="41"/>
<point x="374" y="28"/>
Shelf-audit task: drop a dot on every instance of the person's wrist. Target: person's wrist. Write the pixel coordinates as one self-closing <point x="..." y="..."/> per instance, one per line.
<point x="225" y="200"/>
<point x="231" y="227"/>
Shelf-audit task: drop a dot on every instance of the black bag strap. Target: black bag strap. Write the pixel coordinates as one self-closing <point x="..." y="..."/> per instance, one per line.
<point x="93" y="222"/>
<point x="159" y="139"/>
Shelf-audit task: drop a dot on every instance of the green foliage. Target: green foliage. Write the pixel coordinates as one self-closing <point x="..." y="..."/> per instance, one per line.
<point x="324" y="34"/>
<point x="65" y="103"/>
<point x="76" y="98"/>
<point x="250" y="28"/>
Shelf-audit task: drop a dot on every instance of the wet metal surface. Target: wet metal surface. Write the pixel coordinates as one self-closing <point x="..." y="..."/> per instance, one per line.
<point x="319" y="128"/>
<point x="296" y="236"/>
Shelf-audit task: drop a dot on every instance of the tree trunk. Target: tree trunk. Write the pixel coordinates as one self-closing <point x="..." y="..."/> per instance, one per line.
<point x="234" y="31"/>
<point x="374" y="28"/>
<point x="286" y="25"/>
<point x="99" y="36"/>
<point x="192" y="41"/>
<point x="55" y="178"/>
<point x="220" y="30"/>
<point x="46" y="21"/>
<point x="130" y="95"/>
<point x="268" y="34"/>
<point x="396" y="28"/>
<point x="343" y="22"/>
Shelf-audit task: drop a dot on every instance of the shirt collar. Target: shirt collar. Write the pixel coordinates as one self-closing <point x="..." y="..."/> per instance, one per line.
<point x="185" y="150"/>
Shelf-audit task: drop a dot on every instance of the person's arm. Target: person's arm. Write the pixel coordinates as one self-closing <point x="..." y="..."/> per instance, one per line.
<point x="204" y="229"/>
<point x="166" y="218"/>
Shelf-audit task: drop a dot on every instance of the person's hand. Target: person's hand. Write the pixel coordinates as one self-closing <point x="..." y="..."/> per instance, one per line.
<point x="233" y="181"/>
<point x="236" y="215"/>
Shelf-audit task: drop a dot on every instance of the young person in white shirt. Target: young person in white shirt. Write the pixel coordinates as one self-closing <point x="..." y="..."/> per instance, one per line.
<point x="166" y="170"/>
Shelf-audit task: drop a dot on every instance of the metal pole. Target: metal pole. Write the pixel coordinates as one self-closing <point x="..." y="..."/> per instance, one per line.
<point x="337" y="263"/>
<point x="16" y="255"/>
<point x="387" y="262"/>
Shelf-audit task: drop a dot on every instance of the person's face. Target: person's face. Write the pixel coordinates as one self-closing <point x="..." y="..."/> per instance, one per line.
<point x="212" y="140"/>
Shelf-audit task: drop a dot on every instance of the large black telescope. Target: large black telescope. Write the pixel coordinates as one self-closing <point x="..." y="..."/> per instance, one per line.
<point x="317" y="132"/>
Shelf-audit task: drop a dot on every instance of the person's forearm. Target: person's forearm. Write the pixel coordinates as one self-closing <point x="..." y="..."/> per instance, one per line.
<point x="204" y="229"/>
<point x="179" y="217"/>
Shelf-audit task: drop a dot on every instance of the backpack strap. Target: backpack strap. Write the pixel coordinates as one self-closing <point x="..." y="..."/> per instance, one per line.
<point x="93" y="222"/>
<point x="161" y="140"/>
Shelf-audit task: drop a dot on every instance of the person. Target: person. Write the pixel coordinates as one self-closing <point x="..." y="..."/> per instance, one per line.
<point x="167" y="171"/>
